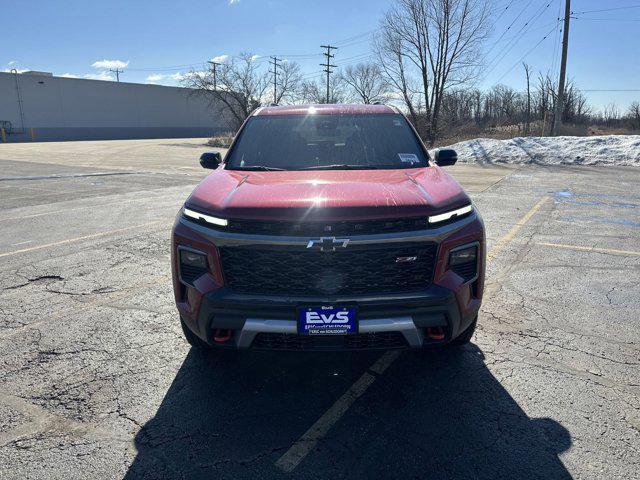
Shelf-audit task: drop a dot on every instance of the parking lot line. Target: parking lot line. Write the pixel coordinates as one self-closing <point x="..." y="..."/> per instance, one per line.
<point x="290" y="460"/>
<point x="307" y="442"/>
<point x="83" y="207"/>
<point x="588" y="249"/>
<point x="78" y="239"/>
<point x="515" y="229"/>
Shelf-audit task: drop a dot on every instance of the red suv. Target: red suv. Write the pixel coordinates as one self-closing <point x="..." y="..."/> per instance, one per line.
<point x="328" y="227"/>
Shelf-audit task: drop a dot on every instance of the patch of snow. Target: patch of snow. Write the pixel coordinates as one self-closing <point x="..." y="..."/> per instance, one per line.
<point x="621" y="150"/>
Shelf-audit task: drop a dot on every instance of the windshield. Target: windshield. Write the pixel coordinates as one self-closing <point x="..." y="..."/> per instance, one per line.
<point x="322" y="142"/>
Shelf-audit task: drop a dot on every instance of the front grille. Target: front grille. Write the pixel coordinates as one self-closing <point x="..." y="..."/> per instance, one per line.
<point x="355" y="270"/>
<point x="314" y="229"/>
<point x="466" y="270"/>
<point x="360" y="341"/>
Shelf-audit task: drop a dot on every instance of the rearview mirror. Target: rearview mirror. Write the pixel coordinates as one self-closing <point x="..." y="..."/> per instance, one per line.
<point x="210" y="160"/>
<point x="445" y="157"/>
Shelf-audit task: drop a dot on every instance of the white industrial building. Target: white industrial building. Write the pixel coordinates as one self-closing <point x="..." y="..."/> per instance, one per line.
<point x="40" y="106"/>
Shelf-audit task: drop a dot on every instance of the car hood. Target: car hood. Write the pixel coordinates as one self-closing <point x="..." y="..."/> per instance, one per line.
<point x="327" y="194"/>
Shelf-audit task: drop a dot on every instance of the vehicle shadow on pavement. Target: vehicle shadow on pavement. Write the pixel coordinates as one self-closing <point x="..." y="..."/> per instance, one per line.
<point x="431" y="415"/>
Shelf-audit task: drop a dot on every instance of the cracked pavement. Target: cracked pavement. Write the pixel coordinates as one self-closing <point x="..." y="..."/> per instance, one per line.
<point x="96" y="380"/>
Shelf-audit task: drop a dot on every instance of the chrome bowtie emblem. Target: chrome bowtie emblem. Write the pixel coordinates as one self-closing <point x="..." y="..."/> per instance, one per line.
<point x="328" y="244"/>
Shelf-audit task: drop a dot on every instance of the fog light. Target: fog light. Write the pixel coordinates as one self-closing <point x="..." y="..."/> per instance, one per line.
<point x="193" y="259"/>
<point x="192" y="265"/>
<point x="463" y="255"/>
<point x="463" y="261"/>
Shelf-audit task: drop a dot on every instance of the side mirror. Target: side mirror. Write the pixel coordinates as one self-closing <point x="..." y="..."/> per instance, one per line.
<point x="446" y="157"/>
<point x="210" y="160"/>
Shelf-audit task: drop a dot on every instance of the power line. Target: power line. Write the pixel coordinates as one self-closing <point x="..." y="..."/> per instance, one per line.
<point x="361" y="56"/>
<point x="556" y="43"/>
<point x="611" y="90"/>
<point x="526" y="54"/>
<point x="504" y="10"/>
<point x="524" y="29"/>
<point x="164" y="69"/>
<point x="606" y="9"/>
<point x="341" y="43"/>
<point x="274" y="62"/>
<point x="508" y="28"/>
<point x="611" y="19"/>
<point x="328" y="66"/>
<point x="520" y="33"/>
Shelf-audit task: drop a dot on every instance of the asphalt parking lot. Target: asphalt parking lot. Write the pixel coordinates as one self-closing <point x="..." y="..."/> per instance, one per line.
<point x="96" y="380"/>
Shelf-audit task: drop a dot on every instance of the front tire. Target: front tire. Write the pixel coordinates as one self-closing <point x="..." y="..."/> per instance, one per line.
<point x="465" y="337"/>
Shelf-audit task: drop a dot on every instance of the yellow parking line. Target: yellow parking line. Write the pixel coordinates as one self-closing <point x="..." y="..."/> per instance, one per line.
<point x="78" y="239"/>
<point x="124" y="203"/>
<point x="588" y="249"/>
<point x="290" y="460"/>
<point x="307" y="442"/>
<point x="515" y="229"/>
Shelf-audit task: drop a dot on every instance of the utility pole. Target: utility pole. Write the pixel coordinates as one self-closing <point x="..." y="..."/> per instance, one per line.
<point x="274" y="62"/>
<point x="117" y="71"/>
<point x="327" y="66"/>
<point x="215" y="73"/>
<point x="563" y="69"/>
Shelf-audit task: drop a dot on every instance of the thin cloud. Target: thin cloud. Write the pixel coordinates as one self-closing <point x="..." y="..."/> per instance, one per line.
<point x="220" y="58"/>
<point x="110" y="64"/>
<point x="103" y="75"/>
<point x="68" y="75"/>
<point x="179" y="77"/>
<point x="154" y="77"/>
<point x="234" y="2"/>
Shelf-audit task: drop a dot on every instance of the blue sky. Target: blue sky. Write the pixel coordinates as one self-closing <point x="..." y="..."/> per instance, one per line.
<point x="160" y="40"/>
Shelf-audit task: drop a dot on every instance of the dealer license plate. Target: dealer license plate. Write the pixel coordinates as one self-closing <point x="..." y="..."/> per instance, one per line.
<point x="327" y="320"/>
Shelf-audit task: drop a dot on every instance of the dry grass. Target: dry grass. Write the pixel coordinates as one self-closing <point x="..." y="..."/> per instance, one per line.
<point x="221" y="141"/>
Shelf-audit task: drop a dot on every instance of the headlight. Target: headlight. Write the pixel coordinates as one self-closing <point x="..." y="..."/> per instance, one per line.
<point x="221" y="222"/>
<point x="453" y="213"/>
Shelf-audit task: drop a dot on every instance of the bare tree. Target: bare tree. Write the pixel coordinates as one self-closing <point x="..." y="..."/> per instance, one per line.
<point x="239" y="88"/>
<point x="314" y="91"/>
<point x="289" y="82"/>
<point x="634" y="115"/>
<point x="365" y="83"/>
<point x="392" y="58"/>
<point x="545" y="100"/>
<point x="441" y="40"/>
<point x="611" y="114"/>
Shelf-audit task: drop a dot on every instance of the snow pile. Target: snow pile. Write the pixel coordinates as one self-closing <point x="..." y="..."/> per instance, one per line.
<point x="605" y="150"/>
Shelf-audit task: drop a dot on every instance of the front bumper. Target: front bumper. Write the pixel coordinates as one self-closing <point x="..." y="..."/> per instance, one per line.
<point x="385" y="321"/>
<point x="248" y="316"/>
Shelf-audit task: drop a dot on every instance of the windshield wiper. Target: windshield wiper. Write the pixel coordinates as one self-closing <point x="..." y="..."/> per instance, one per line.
<point x="261" y="167"/>
<point x="341" y="167"/>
